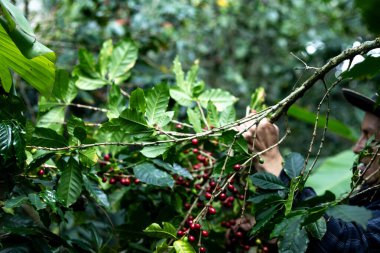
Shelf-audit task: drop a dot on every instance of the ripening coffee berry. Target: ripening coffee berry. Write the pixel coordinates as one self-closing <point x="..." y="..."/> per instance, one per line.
<point x="208" y="195"/>
<point x="104" y="179"/>
<point x="202" y="250"/>
<point x="137" y="181"/>
<point x="237" y="167"/>
<point x="41" y="172"/>
<point x="112" y="180"/>
<point x="211" y="210"/>
<point x="125" y="181"/>
<point x="106" y="157"/>
<point x="191" y="238"/>
<point x="194" y="141"/>
<point x="179" y="126"/>
<point x="180" y="233"/>
<point x="205" y="233"/>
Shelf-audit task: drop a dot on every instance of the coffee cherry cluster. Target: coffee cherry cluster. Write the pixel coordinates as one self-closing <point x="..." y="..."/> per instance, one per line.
<point x="193" y="231"/>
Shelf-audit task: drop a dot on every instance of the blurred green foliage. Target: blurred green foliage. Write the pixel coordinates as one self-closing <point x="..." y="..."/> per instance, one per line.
<point x="241" y="45"/>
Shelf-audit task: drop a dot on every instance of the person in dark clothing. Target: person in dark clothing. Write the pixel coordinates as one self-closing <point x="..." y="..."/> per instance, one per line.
<point x="340" y="236"/>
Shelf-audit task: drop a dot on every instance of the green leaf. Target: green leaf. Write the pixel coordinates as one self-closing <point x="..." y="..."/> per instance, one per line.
<point x="295" y="242"/>
<point x="212" y="115"/>
<point x="135" y="120"/>
<point x="12" y="144"/>
<point x="167" y="230"/>
<point x="286" y="225"/>
<point x="104" y="57"/>
<point x="39" y="71"/>
<point x="180" y="96"/>
<point x="368" y="68"/>
<point x="257" y="99"/>
<point x="334" y="174"/>
<point x="334" y="126"/>
<point x="240" y="144"/>
<point x="15" y="202"/>
<point x="88" y="157"/>
<point x="6" y="151"/>
<point x="268" y="181"/>
<point x="22" y="34"/>
<point x="39" y="160"/>
<point x="156" y="150"/>
<point x="195" y="119"/>
<point x="359" y="215"/>
<point x="317" y="229"/>
<point x="263" y="219"/>
<point x="87" y="83"/>
<point x="70" y="183"/>
<point x="148" y="173"/>
<point x="293" y="188"/>
<point x="5" y="78"/>
<point x="116" y="197"/>
<point x="87" y="64"/>
<point x="157" y="100"/>
<point x="64" y="89"/>
<point x="182" y="246"/>
<point x="45" y="137"/>
<point x="123" y="58"/>
<point x="220" y="98"/>
<point x="95" y="192"/>
<point x="137" y="100"/>
<point x="182" y="84"/>
<point x="267" y="197"/>
<point x="36" y="201"/>
<point x="294" y="163"/>
<point x="53" y="119"/>
<point x="227" y="116"/>
<point x="12" y="107"/>
<point x="116" y="102"/>
<point x="176" y="168"/>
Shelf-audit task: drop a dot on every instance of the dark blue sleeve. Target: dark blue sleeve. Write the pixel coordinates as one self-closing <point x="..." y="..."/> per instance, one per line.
<point x="343" y="237"/>
<point x="348" y="237"/>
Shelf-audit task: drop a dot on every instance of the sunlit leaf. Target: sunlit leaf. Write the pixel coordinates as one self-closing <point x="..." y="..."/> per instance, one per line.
<point x="156" y="150"/>
<point x="220" y="98"/>
<point x="70" y="183"/>
<point x="148" y="173"/>
<point x="182" y="246"/>
<point x="167" y="230"/>
<point x="157" y="100"/>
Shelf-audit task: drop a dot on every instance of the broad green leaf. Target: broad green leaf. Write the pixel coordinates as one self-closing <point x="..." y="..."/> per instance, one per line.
<point x="21" y="33"/>
<point x="64" y="89"/>
<point x="359" y="215"/>
<point x="317" y="229"/>
<point x="70" y="183"/>
<point x="123" y="58"/>
<point x="240" y="144"/>
<point x="53" y="119"/>
<point x="180" y="96"/>
<point x="116" y="102"/>
<point x="5" y="78"/>
<point x="87" y="64"/>
<point x="212" y="115"/>
<point x="286" y="225"/>
<point x="365" y="69"/>
<point x="167" y="230"/>
<point x="328" y="196"/>
<point x="36" y="201"/>
<point x="156" y="150"/>
<point x="137" y="100"/>
<point x="295" y="242"/>
<point x="182" y="84"/>
<point x="88" y="157"/>
<point x="87" y="83"/>
<point x="39" y="160"/>
<point x="182" y="246"/>
<point x="165" y="119"/>
<point x="265" y="180"/>
<point x="294" y="163"/>
<point x="176" y="168"/>
<point x="50" y="198"/>
<point x="334" y="125"/>
<point x="104" y="57"/>
<point x="135" y="120"/>
<point x="12" y="144"/>
<point x="157" y="100"/>
<point x="292" y="189"/>
<point x="263" y="219"/>
<point x="148" y="173"/>
<point x="195" y="119"/>
<point x="46" y="137"/>
<point x="267" y="197"/>
<point x="15" y="202"/>
<point x="227" y="116"/>
<point x="220" y="98"/>
<point x="95" y="192"/>
<point x="76" y="130"/>
<point x="334" y="174"/>
<point x="39" y="71"/>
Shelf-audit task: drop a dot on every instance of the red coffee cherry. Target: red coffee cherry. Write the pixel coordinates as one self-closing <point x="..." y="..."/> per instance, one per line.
<point x="194" y="141"/>
<point x="205" y="233"/>
<point x="237" y="167"/>
<point x="202" y="250"/>
<point x="41" y="172"/>
<point x="191" y="238"/>
<point x="106" y="157"/>
<point x="211" y="210"/>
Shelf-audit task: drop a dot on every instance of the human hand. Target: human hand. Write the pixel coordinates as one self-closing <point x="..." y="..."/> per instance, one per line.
<point x="264" y="137"/>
